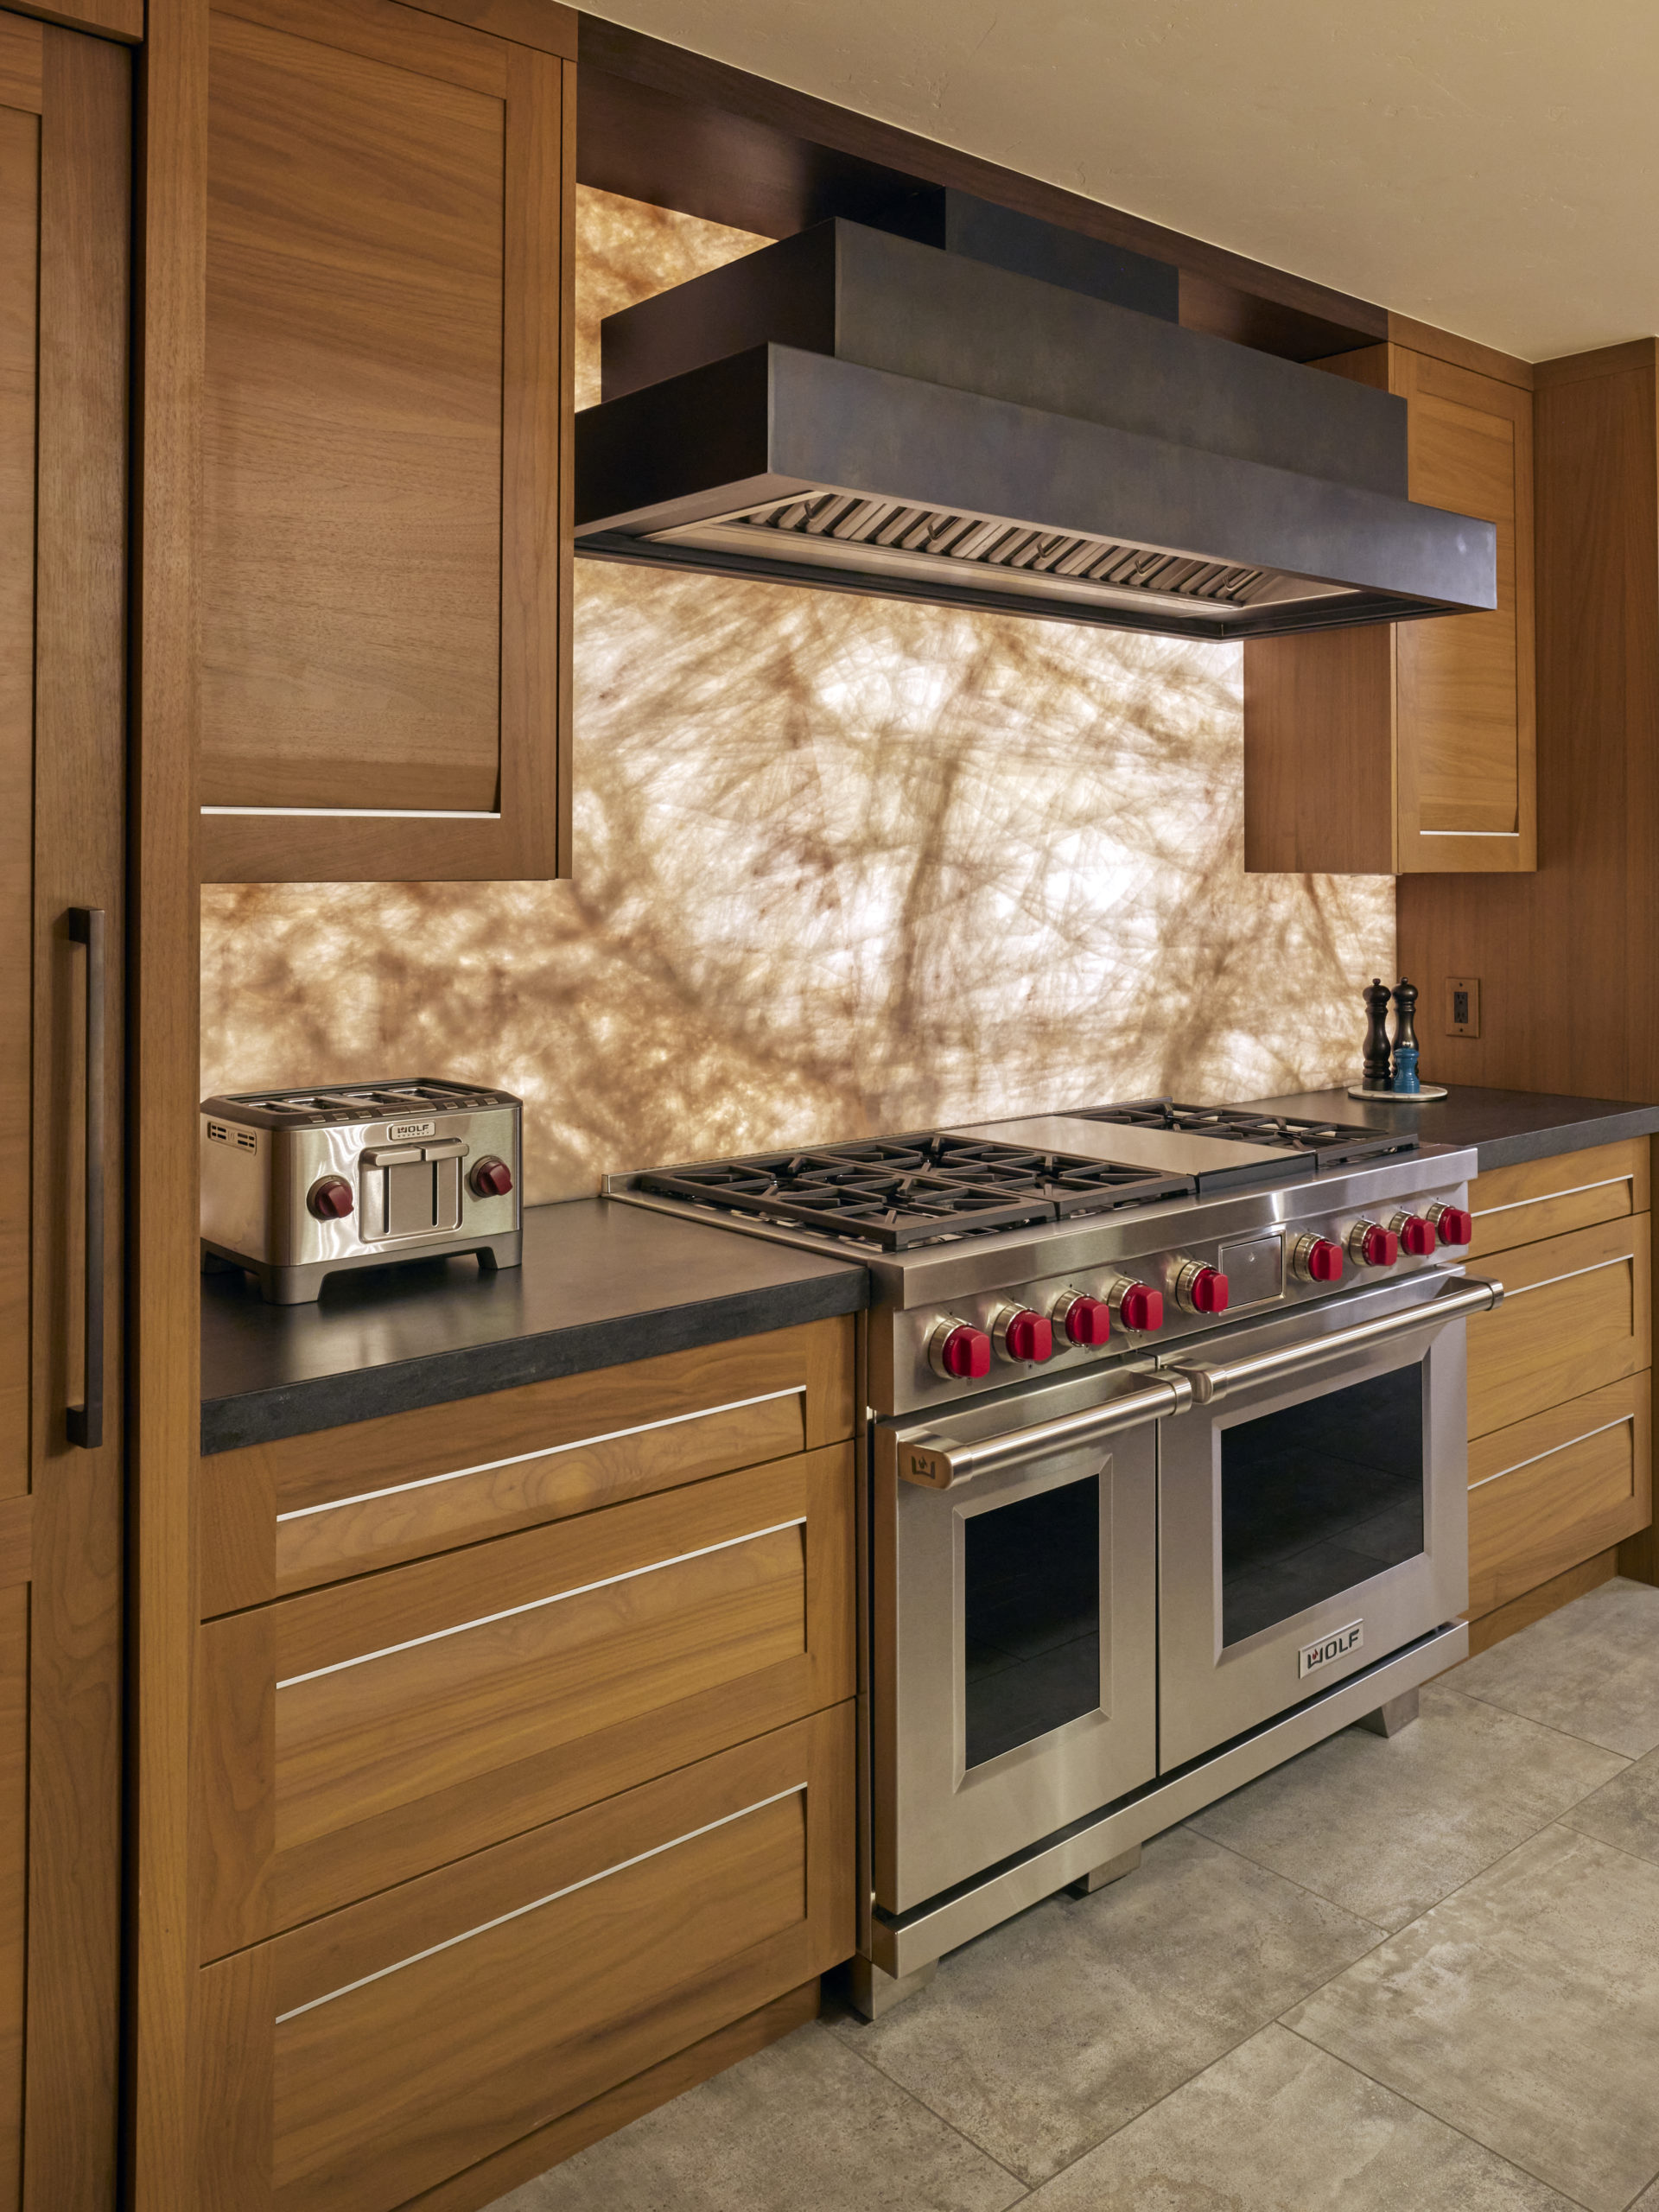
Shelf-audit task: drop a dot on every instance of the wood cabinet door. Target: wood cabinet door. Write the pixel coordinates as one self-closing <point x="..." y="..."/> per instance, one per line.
<point x="385" y="557"/>
<point x="1464" y="711"/>
<point x="65" y="152"/>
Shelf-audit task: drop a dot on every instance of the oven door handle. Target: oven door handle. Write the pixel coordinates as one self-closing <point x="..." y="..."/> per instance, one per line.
<point x="940" y="1462"/>
<point x="1211" y="1383"/>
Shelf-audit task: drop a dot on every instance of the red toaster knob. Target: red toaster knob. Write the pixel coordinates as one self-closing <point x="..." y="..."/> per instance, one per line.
<point x="491" y="1179"/>
<point x="330" y="1197"/>
<point x="958" y="1352"/>
<point x="1415" y="1232"/>
<point x="1136" y="1306"/>
<point x="1201" y="1290"/>
<point x="1371" y="1245"/>
<point x="1086" y="1321"/>
<point x="1022" y="1335"/>
<point x="1453" y="1224"/>
<point x="1316" y="1259"/>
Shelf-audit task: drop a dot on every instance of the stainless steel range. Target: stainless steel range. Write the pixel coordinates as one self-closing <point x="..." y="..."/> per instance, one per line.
<point x="1166" y="1477"/>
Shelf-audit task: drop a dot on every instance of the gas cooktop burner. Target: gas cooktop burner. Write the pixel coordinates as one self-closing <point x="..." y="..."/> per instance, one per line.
<point x="897" y="1192"/>
<point x="1334" y="1144"/>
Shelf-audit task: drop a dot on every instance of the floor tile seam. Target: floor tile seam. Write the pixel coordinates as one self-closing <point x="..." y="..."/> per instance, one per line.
<point x="910" y="2097"/>
<point x="1565" y="1734"/>
<point x="1635" y="1858"/>
<point x="1393" y="2089"/>
<point x="1384" y="1934"/>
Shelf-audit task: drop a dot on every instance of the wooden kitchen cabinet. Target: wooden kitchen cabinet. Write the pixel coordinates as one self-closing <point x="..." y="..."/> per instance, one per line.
<point x="1560" y="1450"/>
<point x="1408" y="749"/>
<point x="385" y="623"/>
<point x="523" y="1779"/>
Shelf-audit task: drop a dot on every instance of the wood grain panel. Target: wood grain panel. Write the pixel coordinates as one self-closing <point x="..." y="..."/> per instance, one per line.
<point x="1549" y="1492"/>
<point x="14" y="1864"/>
<point x="474" y="1694"/>
<point x="1341" y="821"/>
<point x="20" y="64"/>
<point x="1576" y="1317"/>
<point x="382" y="31"/>
<point x="539" y="24"/>
<point x="17" y="1545"/>
<point x="1561" y="1590"/>
<point x="312" y="1510"/>
<point x="352" y="452"/>
<point x="602" y="2116"/>
<point x="427" y="2029"/>
<point x="1546" y="1198"/>
<point x="20" y="159"/>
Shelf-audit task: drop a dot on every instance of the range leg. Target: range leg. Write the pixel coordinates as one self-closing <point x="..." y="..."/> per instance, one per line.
<point x="1113" y="1871"/>
<point x="1388" y="1719"/>
<point x="873" y="1994"/>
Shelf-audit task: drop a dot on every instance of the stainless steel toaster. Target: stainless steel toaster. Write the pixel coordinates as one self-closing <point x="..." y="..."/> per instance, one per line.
<point x="297" y="1185"/>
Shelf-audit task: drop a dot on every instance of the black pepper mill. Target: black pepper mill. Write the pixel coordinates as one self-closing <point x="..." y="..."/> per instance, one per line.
<point x="1405" y="1037"/>
<point x="1375" y="1068"/>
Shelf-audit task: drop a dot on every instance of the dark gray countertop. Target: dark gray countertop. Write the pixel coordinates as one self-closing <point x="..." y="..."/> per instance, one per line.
<point x="1506" y="1127"/>
<point x="602" y="1282"/>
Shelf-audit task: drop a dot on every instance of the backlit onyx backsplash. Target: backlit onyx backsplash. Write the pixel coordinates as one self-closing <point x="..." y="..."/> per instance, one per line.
<point x="843" y="865"/>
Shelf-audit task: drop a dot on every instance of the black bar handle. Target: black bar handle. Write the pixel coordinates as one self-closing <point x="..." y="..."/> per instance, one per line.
<point x="85" y="1422"/>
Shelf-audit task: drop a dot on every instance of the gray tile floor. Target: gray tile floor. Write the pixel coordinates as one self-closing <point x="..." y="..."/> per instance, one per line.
<point x="1408" y="1975"/>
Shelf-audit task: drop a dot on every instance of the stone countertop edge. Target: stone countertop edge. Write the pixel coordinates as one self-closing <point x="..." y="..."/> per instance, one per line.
<point x="748" y="1287"/>
<point x="1507" y="1128"/>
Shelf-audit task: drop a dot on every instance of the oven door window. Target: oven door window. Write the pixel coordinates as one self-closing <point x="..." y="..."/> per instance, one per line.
<point x="1319" y="1497"/>
<point x="1031" y="1617"/>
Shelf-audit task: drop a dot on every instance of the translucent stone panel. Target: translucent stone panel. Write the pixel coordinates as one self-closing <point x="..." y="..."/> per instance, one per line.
<point x="843" y="865"/>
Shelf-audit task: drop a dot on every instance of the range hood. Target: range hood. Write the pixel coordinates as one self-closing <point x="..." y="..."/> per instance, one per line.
<point x="857" y="409"/>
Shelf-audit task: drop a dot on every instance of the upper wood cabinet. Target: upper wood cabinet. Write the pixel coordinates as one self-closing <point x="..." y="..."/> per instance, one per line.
<point x="387" y="348"/>
<point x="1408" y="749"/>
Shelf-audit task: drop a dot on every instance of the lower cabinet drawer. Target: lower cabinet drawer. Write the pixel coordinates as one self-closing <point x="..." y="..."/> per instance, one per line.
<point x="1553" y="1490"/>
<point x="357" y="1736"/>
<point x="371" y="2054"/>
<point x="1575" y="1317"/>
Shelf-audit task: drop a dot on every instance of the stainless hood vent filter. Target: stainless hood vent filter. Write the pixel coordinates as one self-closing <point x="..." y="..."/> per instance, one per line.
<point x="841" y="530"/>
<point x="858" y="412"/>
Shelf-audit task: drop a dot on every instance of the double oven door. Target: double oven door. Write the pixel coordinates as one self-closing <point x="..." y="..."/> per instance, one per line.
<point x="1080" y="1586"/>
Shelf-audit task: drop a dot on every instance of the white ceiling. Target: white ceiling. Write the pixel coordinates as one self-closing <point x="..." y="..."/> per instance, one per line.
<point x="1489" y="165"/>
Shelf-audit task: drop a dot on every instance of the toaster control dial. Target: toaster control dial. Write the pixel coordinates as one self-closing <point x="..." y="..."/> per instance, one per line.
<point x="1200" y="1289"/>
<point x="491" y="1179"/>
<point x="330" y="1197"/>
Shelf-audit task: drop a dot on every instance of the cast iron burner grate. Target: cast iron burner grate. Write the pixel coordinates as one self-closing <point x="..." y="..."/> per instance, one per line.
<point x="1333" y="1144"/>
<point x="897" y="1191"/>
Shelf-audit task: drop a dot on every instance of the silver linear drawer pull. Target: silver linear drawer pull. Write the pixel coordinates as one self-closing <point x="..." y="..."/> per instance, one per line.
<point x="1210" y="1383"/>
<point x="940" y="1462"/>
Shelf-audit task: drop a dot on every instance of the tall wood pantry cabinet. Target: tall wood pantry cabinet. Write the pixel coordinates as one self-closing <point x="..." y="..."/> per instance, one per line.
<point x="65" y="151"/>
<point x="1408" y="749"/>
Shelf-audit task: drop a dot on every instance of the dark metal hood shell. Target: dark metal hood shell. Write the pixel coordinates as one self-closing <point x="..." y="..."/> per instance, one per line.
<point x="748" y="454"/>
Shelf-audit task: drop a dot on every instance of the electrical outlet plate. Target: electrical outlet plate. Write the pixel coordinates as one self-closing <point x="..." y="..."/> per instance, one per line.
<point x="1463" y="1005"/>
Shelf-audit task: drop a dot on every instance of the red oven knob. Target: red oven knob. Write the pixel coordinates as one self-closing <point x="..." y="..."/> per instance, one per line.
<point x="1022" y="1335"/>
<point x="1201" y="1290"/>
<point x="1316" y="1259"/>
<point x="1453" y="1224"/>
<point x="1415" y="1232"/>
<point x="1086" y="1321"/>
<point x="1136" y="1307"/>
<point x="330" y="1197"/>
<point x="491" y="1179"/>
<point x="958" y="1352"/>
<point x="1371" y="1245"/>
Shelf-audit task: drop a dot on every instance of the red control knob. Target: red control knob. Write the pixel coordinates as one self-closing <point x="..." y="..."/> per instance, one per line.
<point x="1086" y="1321"/>
<point x="1137" y="1307"/>
<point x="1201" y="1290"/>
<point x="1022" y="1335"/>
<point x="958" y="1352"/>
<point x="1453" y="1224"/>
<point x="330" y="1197"/>
<point x="491" y="1179"/>
<point x="1316" y="1259"/>
<point x="1415" y="1232"/>
<point x="1371" y="1245"/>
